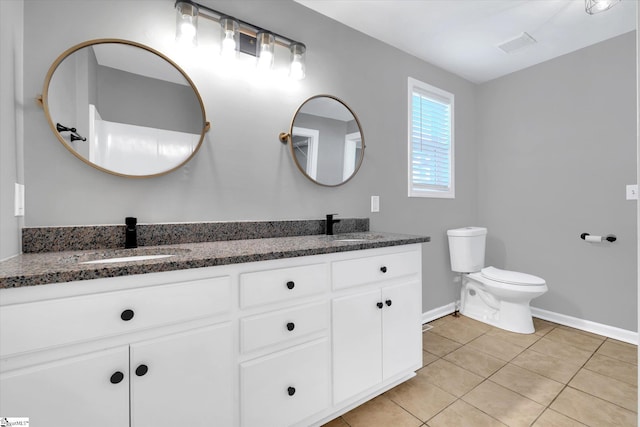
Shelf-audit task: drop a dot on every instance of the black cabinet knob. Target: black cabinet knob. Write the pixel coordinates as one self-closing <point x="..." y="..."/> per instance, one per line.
<point x="291" y="391"/>
<point x="380" y="305"/>
<point x="383" y="269"/>
<point x="388" y="302"/>
<point x="141" y="370"/>
<point x="290" y="284"/>
<point x="127" y="315"/>
<point x="290" y="326"/>
<point x="116" y="377"/>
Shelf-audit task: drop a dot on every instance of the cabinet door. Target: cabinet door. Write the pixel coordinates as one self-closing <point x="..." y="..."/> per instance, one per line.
<point x="401" y="329"/>
<point x="357" y="351"/>
<point x="80" y="391"/>
<point x="188" y="379"/>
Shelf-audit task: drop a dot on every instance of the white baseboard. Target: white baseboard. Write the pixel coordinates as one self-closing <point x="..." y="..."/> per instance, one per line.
<point x="439" y="312"/>
<point x="561" y="319"/>
<point x="587" y="325"/>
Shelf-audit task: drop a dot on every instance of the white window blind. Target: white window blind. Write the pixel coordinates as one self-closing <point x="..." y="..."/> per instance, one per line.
<point x="430" y="141"/>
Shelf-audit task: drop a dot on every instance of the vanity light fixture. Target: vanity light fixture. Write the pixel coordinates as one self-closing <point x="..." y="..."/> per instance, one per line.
<point x="239" y="36"/>
<point x="596" y="6"/>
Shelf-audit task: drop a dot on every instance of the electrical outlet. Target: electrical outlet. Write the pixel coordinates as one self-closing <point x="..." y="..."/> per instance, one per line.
<point x="632" y="192"/>
<point x="375" y="203"/>
<point x="18" y="201"/>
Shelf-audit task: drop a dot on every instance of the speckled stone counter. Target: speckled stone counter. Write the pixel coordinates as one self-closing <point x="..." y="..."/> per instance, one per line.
<point x="71" y="238"/>
<point x="57" y="267"/>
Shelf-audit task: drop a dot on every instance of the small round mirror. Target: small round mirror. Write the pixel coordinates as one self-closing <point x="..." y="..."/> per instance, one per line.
<point x="124" y="108"/>
<point x="326" y="140"/>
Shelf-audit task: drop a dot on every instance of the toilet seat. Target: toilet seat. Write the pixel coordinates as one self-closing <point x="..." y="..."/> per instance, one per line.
<point x="511" y="277"/>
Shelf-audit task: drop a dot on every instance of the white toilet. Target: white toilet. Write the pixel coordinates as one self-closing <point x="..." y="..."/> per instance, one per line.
<point x="497" y="297"/>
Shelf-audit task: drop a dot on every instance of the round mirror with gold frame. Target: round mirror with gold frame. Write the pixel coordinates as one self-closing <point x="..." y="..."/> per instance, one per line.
<point x="326" y="140"/>
<point x="124" y="108"/>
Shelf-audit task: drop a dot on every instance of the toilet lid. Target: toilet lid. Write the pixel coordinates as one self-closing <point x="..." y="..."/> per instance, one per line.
<point x="511" y="277"/>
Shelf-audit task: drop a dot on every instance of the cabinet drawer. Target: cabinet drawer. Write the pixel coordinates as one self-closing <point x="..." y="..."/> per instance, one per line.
<point x="264" y="287"/>
<point x="44" y="324"/>
<point x="360" y="271"/>
<point x="286" y="387"/>
<point x="283" y="325"/>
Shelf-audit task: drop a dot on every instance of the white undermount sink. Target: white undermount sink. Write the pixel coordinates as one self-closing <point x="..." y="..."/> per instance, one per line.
<point x="126" y="259"/>
<point x="112" y="256"/>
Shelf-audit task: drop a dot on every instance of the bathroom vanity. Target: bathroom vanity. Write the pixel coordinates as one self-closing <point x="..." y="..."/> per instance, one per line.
<point x="300" y="334"/>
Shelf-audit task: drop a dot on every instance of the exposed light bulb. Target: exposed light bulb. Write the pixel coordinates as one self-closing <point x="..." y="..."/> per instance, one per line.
<point x="228" y="44"/>
<point x="297" y="68"/>
<point x="229" y="36"/>
<point x="186" y="24"/>
<point x="265" y="60"/>
<point x="265" y="43"/>
<point x="187" y="34"/>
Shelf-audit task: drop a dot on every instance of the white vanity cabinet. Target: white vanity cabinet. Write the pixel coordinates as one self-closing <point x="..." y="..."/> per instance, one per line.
<point x="285" y="364"/>
<point x="377" y="324"/>
<point x="286" y="342"/>
<point x="91" y="389"/>
<point x="169" y="354"/>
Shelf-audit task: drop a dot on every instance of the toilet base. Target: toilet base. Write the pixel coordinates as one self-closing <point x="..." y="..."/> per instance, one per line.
<point x="523" y="326"/>
<point x="481" y="305"/>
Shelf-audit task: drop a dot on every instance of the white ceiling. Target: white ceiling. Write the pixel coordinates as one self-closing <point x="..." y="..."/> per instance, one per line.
<point x="462" y="36"/>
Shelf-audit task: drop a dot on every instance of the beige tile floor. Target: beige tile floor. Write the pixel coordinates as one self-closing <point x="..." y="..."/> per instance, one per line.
<point x="475" y="375"/>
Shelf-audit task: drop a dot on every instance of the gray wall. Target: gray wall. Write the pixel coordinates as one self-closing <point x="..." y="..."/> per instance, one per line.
<point x="242" y="171"/>
<point x="11" y="105"/>
<point x="556" y="147"/>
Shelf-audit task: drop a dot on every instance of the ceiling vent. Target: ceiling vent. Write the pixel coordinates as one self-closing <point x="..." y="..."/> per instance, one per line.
<point x="520" y="42"/>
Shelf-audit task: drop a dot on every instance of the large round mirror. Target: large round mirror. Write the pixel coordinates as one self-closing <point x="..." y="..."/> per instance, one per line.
<point x="326" y="140"/>
<point x="124" y="108"/>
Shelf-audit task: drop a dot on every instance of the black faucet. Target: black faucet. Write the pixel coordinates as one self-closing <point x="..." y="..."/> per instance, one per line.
<point x="131" y="233"/>
<point x="330" y="222"/>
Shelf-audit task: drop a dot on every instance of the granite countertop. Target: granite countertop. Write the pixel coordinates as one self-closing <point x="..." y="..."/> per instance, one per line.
<point x="56" y="267"/>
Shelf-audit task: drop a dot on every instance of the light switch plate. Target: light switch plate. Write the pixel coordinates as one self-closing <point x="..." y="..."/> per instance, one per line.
<point x="632" y="192"/>
<point x="18" y="201"/>
<point x="375" y="203"/>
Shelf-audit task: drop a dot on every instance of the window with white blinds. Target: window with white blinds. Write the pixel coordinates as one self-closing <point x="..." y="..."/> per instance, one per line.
<point x="431" y="171"/>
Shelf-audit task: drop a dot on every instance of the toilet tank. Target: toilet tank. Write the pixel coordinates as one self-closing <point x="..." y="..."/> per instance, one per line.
<point x="466" y="248"/>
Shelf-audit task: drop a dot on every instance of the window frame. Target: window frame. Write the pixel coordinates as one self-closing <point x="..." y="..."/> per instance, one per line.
<point x="438" y="94"/>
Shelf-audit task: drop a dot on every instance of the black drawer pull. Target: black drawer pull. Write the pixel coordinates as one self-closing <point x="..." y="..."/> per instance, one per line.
<point x="141" y="370"/>
<point x="116" y="377"/>
<point x="290" y="326"/>
<point x="388" y="302"/>
<point x="383" y="269"/>
<point x="291" y="391"/>
<point x="380" y="305"/>
<point x="127" y="315"/>
<point x="290" y="284"/>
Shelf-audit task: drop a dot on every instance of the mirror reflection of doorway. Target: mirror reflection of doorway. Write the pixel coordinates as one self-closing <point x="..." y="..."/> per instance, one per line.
<point x="305" y="147"/>
<point x="352" y="149"/>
